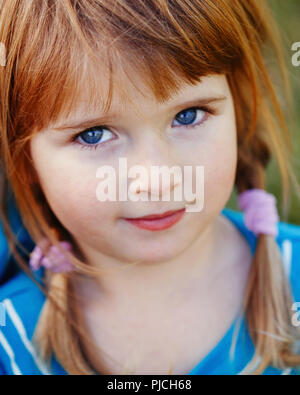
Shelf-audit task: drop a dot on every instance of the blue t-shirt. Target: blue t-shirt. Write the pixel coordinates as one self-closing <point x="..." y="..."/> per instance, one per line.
<point x="23" y="301"/>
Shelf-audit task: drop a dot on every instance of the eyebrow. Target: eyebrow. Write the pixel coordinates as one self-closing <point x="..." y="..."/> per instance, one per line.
<point x="97" y="121"/>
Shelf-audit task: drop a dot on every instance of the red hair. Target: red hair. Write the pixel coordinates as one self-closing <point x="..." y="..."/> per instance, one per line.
<point x="52" y="46"/>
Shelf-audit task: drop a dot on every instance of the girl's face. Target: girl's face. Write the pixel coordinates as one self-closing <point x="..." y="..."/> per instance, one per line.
<point x="194" y="128"/>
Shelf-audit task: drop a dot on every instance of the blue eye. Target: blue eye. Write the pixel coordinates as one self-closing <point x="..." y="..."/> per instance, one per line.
<point x="97" y="135"/>
<point x="189" y="116"/>
<point x="94" y="136"/>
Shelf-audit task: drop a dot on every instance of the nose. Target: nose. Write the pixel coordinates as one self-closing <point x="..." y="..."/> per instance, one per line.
<point x="160" y="172"/>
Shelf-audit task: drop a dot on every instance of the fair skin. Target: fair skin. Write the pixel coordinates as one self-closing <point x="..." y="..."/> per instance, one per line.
<point x="174" y="305"/>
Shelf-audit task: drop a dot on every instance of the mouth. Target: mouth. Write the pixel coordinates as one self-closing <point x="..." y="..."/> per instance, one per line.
<point x="157" y="222"/>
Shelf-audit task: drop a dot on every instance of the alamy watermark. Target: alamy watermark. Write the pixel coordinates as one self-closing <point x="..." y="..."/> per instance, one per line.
<point x="296" y="57"/>
<point x="182" y="186"/>
<point x="296" y="315"/>
<point x="2" y="314"/>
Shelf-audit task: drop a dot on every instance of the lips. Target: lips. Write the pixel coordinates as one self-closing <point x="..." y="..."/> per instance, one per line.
<point x="157" y="222"/>
<point x="156" y="216"/>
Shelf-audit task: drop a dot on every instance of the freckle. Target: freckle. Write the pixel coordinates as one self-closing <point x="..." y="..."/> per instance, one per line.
<point x="2" y="55"/>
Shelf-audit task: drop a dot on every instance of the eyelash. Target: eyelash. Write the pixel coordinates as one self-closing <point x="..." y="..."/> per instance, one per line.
<point x="207" y="110"/>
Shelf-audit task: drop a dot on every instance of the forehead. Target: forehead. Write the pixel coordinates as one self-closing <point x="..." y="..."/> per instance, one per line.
<point x="131" y="91"/>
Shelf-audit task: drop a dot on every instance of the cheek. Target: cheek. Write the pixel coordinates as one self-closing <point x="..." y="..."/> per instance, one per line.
<point x="220" y="168"/>
<point x="73" y="199"/>
<point x="217" y="152"/>
<point x="70" y="189"/>
<point x="76" y="204"/>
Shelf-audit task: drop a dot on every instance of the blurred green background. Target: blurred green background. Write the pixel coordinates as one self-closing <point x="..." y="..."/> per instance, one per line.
<point x="287" y="14"/>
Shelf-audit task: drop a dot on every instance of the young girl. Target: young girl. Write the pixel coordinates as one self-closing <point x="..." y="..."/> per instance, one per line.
<point x="160" y="83"/>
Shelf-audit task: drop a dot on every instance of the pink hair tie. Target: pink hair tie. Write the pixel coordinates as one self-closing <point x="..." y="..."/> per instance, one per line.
<point x="54" y="260"/>
<point x="260" y="211"/>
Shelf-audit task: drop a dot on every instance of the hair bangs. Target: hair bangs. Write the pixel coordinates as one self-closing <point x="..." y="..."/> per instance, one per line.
<point x="84" y="39"/>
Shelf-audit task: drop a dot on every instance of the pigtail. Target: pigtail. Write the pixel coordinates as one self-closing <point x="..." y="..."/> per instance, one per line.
<point x="268" y="298"/>
<point x="61" y="330"/>
<point x="54" y="333"/>
<point x="268" y="302"/>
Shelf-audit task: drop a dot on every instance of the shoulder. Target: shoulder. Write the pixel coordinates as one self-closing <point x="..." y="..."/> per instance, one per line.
<point x="19" y="231"/>
<point x="288" y="241"/>
<point x="21" y="288"/>
<point x="21" y="301"/>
